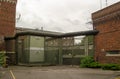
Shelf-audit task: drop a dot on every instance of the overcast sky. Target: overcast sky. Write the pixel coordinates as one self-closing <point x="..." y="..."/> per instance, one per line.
<point x="58" y="15"/>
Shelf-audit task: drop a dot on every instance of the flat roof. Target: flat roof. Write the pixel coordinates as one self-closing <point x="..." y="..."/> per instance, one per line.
<point x="51" y="34"/>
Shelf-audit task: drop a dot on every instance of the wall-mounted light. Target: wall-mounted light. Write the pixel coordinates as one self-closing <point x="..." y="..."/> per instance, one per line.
<point x="102" y="50"/>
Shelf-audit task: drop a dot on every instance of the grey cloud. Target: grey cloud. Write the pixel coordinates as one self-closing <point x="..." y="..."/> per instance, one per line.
<point x="57" y="15"/>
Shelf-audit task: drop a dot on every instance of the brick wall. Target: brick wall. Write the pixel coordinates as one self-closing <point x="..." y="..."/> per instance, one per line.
<point x="108" y="38"/>
<point x="7" y="20"/>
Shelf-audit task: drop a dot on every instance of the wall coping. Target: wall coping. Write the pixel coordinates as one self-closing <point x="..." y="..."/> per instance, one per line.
<point x="10" y="1"/>
<point x="105" y="11"/>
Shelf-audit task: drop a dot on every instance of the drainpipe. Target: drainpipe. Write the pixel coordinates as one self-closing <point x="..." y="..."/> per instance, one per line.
<point x="16" y="50"/>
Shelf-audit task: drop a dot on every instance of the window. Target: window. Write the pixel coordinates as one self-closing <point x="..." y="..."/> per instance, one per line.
<point x="113" y="53"/>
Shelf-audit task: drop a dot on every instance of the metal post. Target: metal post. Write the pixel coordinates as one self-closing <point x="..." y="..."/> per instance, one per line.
<point x="100" y="4"/>
<point x="16" y="50"/>
<point x="73" y="53"/>
<point x="106" y="3"/>
<point x="60" y="51"/>
<point x="86" y="45"/>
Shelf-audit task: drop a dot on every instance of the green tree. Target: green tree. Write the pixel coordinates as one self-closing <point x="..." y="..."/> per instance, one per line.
<point x="90" y="40"/>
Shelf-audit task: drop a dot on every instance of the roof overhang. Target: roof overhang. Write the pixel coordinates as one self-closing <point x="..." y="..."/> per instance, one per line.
<point x="44" y="34"/>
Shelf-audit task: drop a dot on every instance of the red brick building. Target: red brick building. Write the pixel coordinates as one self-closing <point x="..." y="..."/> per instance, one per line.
<point x="7" y="27"/>
<point x="106" y="21"/>
<point x="7" y="20"/>
<point x="107" y="41"/>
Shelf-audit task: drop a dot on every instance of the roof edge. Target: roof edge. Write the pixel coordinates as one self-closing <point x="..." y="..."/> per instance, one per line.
<point x="107" y="10"/>
<point x="10" y="1"/>
<point x="71" y="34"/>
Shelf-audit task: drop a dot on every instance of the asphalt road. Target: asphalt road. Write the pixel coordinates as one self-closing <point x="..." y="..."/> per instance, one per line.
<point x="56" y="72"/>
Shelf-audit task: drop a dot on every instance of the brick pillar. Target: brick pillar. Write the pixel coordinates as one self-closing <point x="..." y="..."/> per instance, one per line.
<point x="7" y="20"/>
<point x="7" y="17"/>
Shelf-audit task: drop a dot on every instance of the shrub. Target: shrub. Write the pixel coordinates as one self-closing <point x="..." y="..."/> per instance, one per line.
<point x="2" y="56"/>
<point x="3" y="59"/>
<point x="86" y="61"/>
<point x="89" y="62"/>
<point x="94" y="65"/>
<point x="111" y="67"/>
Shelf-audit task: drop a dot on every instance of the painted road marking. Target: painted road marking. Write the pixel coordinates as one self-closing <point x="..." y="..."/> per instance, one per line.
<point x="12" y="74"/>
<point x="117" y="78"/>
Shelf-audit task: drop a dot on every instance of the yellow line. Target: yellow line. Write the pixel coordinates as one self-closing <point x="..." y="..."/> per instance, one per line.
<point x="12" y="74"/>
<point x="117" y="78"/>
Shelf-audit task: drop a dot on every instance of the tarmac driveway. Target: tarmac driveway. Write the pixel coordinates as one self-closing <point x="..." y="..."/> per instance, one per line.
<point x="56" y="72"/>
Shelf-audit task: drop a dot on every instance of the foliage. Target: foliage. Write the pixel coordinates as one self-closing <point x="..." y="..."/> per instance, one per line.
<point x="2" y="56"/>
<point x="111" y="67"/>
<point x="86" y="61"/>
<point x="90" y="40"/>
<point x="3" y="59"/>
<point x="94" y="65"/>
